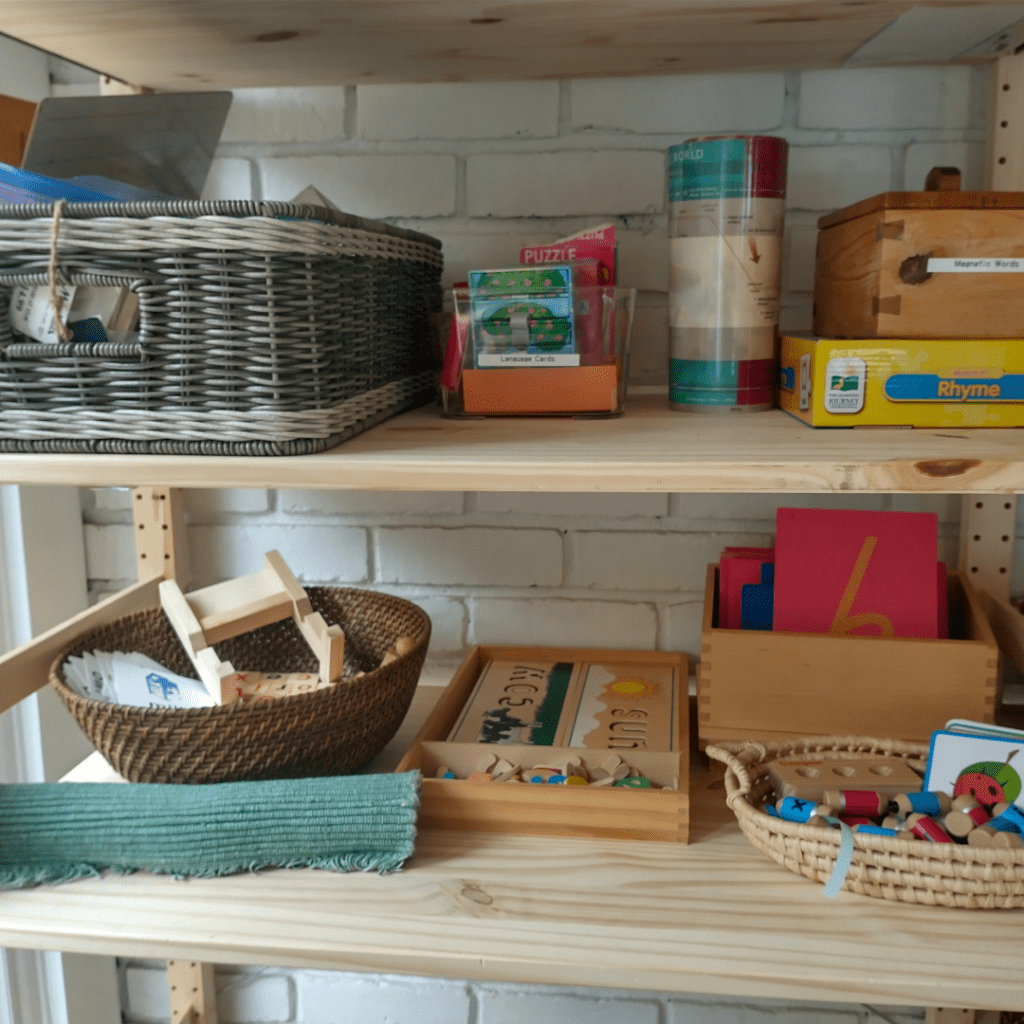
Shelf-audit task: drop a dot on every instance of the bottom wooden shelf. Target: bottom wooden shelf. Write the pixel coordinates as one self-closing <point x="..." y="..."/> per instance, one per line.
<point x="715" y="917"/>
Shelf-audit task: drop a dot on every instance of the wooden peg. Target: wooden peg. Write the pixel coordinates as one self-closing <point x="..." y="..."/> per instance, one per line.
<point x="943" y="179"/>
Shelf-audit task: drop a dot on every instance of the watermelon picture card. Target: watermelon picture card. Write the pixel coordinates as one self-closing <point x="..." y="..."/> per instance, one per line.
<point x="850" y="572"/>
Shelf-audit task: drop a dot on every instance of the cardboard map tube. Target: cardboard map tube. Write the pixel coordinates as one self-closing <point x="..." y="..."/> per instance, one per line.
<point x="727" y="197"/>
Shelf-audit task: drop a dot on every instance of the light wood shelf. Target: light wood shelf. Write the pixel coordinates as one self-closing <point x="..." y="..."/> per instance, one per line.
<point x="716" y="917"/>
<point x="650" y="448"/>
<point x="181" y="45"/>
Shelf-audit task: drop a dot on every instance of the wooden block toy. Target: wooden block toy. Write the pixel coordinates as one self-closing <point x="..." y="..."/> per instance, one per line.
<point x="960" y="822"/>
<point x="252" y="687"/>
<point x="987" y="836"/>
<point x="927" y="828"/>
<point x="403" y="645"/>
<point x="867" y="803"/>
<point x="1008" y="818"/>
<point x="793" y="808"/>
<point x="875" y="830"/>
<point x="327" y="642"/>
<point x="207" y="616"/>
<point x="921" y="803"/>
<point x="808" y="776"/>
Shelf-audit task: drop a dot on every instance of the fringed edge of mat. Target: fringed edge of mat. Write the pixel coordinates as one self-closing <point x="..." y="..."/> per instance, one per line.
<point x="51" y="874"/>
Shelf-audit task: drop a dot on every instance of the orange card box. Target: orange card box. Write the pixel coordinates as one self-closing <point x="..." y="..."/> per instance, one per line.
<point x="609" y="812"/>
<point x="765" y="685"/>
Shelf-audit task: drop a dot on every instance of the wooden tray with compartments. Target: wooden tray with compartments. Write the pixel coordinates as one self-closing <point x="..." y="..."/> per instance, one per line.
<point x="553" y="810"/>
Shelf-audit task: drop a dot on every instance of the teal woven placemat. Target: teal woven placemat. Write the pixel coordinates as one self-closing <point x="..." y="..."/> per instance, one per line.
<point x="57" y="832"/>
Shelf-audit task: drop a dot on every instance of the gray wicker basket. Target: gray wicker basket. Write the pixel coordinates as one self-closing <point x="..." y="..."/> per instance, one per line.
<point x="265" y="328"/>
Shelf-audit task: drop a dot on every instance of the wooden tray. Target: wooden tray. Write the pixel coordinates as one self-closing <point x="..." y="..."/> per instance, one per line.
<point x="603" y="812"/>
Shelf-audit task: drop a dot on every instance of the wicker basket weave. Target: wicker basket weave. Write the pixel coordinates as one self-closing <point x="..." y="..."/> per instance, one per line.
<point x="264" y="328"/>
<point x="944" y="874"/>
<point x="332" y="731"/>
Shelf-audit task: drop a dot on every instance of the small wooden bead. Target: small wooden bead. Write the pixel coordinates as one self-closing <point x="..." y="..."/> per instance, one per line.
<point x="927" y="828"/>
<point x="920" y="803"/>
<point x="1007" y="841"/>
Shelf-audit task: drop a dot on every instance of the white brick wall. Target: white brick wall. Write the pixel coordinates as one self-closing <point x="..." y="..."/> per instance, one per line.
<point x="670" y="561"/>
<point x="928" y="97"/>
<point x="272" y="996"/>
<point x="485" y="110"/>
<point x="826" y="177"/>
<point x="680" y="104"/>
<point x="573" y="622"/>
<point x="368" y="186"/>
<point x="565" y="184"/>
<point x="470" y="557"/>
<point x="488" y="168"/>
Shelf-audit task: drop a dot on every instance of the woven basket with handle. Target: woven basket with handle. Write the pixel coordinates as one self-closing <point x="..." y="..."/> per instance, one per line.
<point x="332" y="731"/>
<point x="946" y="874"/>
<point x="264" y="328"/>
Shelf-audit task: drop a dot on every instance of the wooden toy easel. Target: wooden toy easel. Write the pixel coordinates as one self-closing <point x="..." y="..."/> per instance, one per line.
<point x="205" y="617"/>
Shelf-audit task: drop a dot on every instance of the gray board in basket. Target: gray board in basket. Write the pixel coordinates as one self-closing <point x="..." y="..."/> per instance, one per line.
<point x="265" y="328"/>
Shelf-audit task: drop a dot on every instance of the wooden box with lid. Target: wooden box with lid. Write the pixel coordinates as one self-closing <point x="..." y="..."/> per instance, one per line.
<point x="932" y="264"/>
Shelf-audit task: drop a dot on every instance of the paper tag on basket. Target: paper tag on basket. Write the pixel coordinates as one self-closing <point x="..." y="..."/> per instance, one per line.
<point x="32" y="313"/>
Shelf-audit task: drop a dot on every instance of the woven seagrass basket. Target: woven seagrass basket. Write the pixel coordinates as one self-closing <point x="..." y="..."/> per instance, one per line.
<point x="332" y="731"/>
<point x="264" y="328"/>
<point x="944" y="874"/>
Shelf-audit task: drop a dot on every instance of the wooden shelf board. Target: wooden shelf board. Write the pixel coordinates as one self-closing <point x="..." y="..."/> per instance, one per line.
<point x="650" y="448"/>
<point x="716" y="917"/>
<point x="182" y="45"/>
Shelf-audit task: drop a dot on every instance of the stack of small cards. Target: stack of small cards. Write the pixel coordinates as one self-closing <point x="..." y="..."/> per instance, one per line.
<point x="133" y="679"/>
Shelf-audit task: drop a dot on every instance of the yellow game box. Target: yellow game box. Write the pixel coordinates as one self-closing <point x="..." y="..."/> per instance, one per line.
<point x="928" y="382"/>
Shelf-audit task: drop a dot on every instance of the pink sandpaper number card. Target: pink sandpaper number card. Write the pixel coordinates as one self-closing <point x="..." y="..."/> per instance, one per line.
<point x="856" y="573"/>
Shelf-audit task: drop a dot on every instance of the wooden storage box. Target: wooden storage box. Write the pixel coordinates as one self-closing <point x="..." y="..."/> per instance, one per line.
<point x="767" y="685"/>
<point x="526" y="809"/>
<point x="876" y="276"/>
